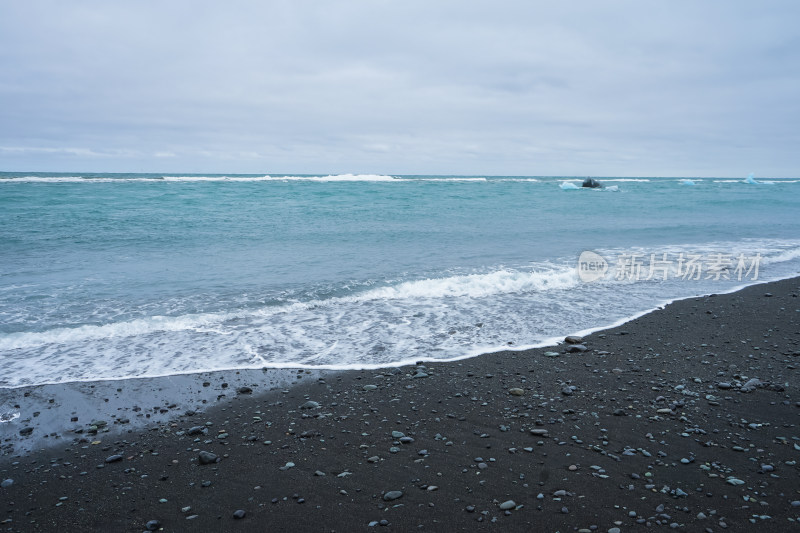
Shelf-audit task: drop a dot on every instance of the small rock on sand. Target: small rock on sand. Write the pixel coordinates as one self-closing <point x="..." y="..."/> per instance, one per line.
<point x="207" y="458"/>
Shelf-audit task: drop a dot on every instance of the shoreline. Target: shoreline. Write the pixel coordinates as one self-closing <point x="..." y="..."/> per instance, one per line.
<point x="550" y="342"/>
<point x="566" y="415"/>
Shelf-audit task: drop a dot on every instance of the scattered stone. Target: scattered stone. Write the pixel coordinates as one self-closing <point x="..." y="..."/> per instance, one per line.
<point x="516" y="391"/>
<point x="309" y="405"/>
<point x="577" y="348"/>
<point x="239" y="514"/>
<point x="153" y="525"/>
<point x="7" y="483"/>
<point x="392" y="495"/>
<point x="207" y="458"/>
<point x="751" y="385"/>
<point x="573" y="339"/>
<point x="508" y="505"/>
<point x="113" y="458"/>
<point x="26" y="431"/>
<point x="244" y="390"/>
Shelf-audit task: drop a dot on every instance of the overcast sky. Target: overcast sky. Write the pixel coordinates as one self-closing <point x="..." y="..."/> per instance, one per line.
<point x="668" y="88"/>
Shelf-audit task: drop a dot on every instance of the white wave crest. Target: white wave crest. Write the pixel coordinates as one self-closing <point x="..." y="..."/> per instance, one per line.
<point x="43" y="179"/>
<point x="139" y="326"/>
<point x="783" y="256"/>
<point x="337" y="177"/>
<point x="470" y="286"/>
<point x="478" y="285"/>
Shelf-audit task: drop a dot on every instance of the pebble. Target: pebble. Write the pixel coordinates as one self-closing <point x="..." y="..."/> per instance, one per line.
<point x="113" y="458"/>
<point x="207" y="458"/>
<point x="153" y="525"/>
<point x="392" y="495"/>
<point x="507" y="505"/>
<point x="309" y="405"/>
<point x="239" y="514"/>
<point x="370" y="387"/>
<point x="516" y="391"/>
<point x="7" y="483"/>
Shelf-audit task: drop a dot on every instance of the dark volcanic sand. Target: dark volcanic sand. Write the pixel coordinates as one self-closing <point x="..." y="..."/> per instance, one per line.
<point x="651" y="428"/>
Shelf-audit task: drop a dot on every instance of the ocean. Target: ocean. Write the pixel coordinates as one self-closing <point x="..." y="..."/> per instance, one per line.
<point x="106" y="276"/>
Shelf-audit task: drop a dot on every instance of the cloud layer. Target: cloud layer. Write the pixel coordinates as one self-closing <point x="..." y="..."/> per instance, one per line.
<point x="533" y="88"/>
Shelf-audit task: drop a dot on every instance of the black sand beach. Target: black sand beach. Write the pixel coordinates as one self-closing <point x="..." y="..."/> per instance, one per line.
<point x="684" y="419"/>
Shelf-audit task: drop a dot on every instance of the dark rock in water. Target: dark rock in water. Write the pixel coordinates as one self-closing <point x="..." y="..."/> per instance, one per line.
<point x="238" y="514"/>
<point x="591" y="183"/>
<point x="244" y="390"/>
<point x="26" y="431"/>
<point x="573" y="339"/>
<point x="153" y="525"/>
<point x="207" y="458"/>
<point x="113" y="458"/>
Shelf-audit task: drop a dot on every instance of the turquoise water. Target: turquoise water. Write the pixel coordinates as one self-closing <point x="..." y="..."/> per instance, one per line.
<point x="112" y="276"/>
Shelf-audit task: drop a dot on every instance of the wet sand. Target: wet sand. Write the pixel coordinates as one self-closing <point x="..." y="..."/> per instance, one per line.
<point x="684" y="419"/>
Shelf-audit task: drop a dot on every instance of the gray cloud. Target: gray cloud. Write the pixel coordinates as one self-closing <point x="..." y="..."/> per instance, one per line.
<point x="625" y="88"/>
